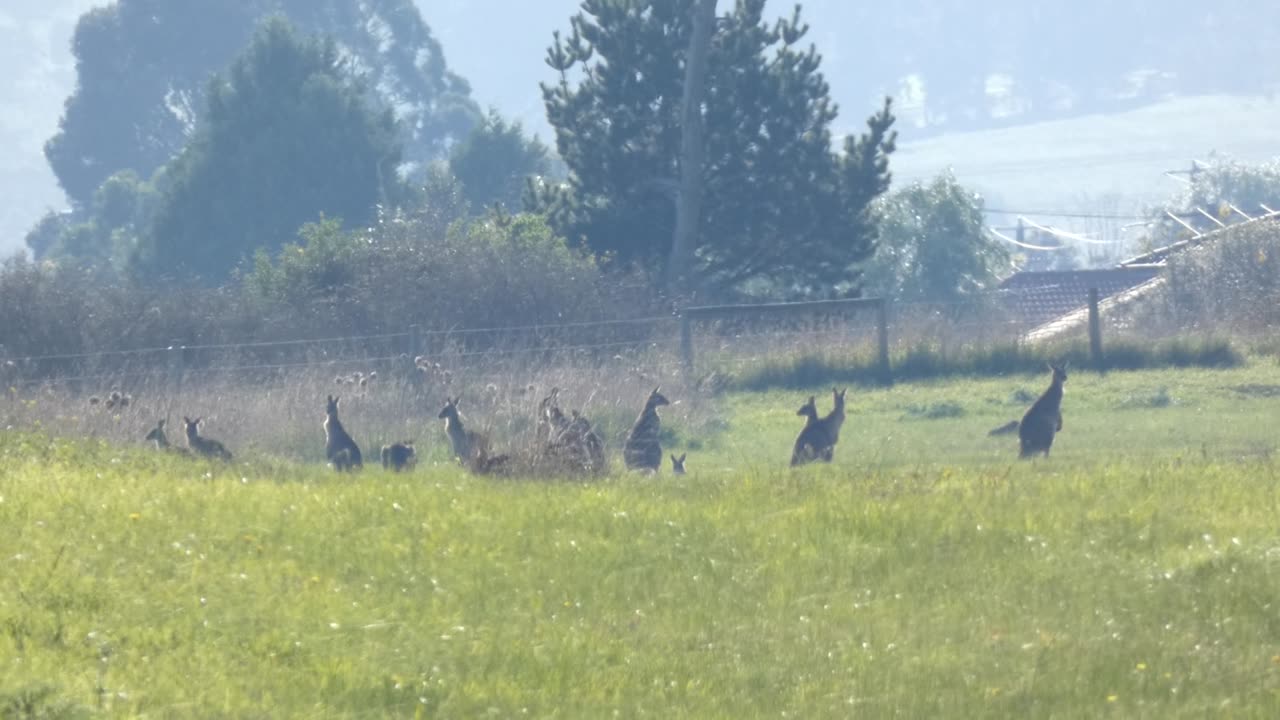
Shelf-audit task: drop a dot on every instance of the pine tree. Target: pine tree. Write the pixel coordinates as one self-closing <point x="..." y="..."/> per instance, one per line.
<point x="782" y="213"/>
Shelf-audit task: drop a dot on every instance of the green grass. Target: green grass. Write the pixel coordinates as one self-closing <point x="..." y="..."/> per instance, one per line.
<point x="924" y="574"/>
<point x="928" y="361"/>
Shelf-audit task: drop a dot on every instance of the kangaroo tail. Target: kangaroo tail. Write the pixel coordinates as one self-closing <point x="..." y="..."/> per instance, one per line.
<point x="1011" y="426"/>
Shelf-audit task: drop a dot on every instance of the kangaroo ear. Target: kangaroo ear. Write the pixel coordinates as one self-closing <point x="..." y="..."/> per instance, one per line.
<point x="1065" y="363"/>
<point x="683" y="456"/>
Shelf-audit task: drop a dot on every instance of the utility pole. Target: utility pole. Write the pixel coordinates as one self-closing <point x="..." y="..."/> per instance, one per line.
<point x="692" y="150"/>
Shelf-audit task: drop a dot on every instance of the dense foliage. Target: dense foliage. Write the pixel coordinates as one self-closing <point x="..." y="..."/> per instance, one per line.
<point x="494" y="163"/>
<point x="782" y="213"/>
<point x="287" y="135"/>
<point x="934" y="245"/>
<point x="142" y="69"/>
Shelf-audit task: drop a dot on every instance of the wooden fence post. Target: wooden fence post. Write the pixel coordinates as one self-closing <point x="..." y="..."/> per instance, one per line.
<point x="882" y="338"/>
<point x="686" y="345"/>
<point x="1095" y="332"/>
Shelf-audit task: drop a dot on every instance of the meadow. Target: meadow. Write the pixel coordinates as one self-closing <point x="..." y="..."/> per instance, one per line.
<point x="925" y="573"/>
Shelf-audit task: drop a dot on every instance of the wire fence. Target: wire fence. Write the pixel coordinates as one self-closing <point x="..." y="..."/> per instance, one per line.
<point x="722" y="337"/>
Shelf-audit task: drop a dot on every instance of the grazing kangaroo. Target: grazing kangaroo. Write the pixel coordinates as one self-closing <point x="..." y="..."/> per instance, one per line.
<point x="1044" y="418"/>
<point x="469" y="447"/>
<point x="399" y="456"/>
<point x="208" y="447"/>
<point x="677" y="463"/>
<point x="642" y="450"/>
<point x="339" y="448"/>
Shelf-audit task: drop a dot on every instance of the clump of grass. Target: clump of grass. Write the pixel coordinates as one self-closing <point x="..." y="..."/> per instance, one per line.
<point x="1160" y="398"/>
<point x="925" y="361"/>
<point x="935" y="410"/>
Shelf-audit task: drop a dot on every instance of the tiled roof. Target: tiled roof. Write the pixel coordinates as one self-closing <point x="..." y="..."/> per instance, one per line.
<point x="1035" y="298"/>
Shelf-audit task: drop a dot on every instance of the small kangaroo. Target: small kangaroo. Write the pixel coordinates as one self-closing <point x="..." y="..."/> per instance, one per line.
<point x="677" y="463"/>
<point x="642" y="450"/>
<point x="399" y="456"/>
<point x="548" y="417"/>
<point x="812" y="440"/>
<point x="208" y="447"/>
<point x="158" y="436"/>
<point x="1044" y="418"/>
<point x="339" y="448"/>
<point x="469" y="447"/>
<point x="580" y="429"/>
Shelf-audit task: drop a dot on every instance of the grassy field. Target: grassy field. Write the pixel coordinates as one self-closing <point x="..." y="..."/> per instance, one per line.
<point x="925" y="573"/>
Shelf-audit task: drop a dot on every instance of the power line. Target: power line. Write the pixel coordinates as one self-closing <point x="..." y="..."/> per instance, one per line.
<point x="1062" y="214"/>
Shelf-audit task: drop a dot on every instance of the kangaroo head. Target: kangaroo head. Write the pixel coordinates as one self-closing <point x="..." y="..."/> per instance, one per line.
<point x="837" y="397"/>
<point x="1059" y="372"/>
<point x="549" y="400"/>
<point x="192" y="426"/>
<point x="809" y="409"/>
<point x="656" y="399"/>
<point x="331" y="406"/>
<point x="677" y="463"/>
<point x="450" y="409"/>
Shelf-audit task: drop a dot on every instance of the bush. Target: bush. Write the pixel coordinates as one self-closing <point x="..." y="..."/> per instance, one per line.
<point x="1232" y="282"/>
<point x="496" y="272"/>
<point x="499" y="271"/>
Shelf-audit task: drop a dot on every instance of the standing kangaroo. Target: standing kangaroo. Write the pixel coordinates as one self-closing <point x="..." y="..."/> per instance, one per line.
<point x="207" y="447"/>
<point x="832" y="423"/>
<point x="1044" y="418"/>
<point x="812" y="440"/>
<point x="642" y="450"/>
<point x="469" y="447"/>
<point x="339" y="448"/>
<point x="158" y="436"/>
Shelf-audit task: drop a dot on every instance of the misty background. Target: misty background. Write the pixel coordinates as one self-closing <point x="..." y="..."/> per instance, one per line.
<point x="1062" y="107"/>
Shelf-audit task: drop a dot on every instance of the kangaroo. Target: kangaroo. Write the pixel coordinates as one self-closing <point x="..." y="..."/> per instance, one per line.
<point x="399" y="456"/>
<point x="1044" y="418"/>
<point x="832" y="423"/>
<point x="812" y="440"/>
<point x="587" y="438"/>
<point x="642" y="450"/>
<point x="469" y="447"/>
<point x="208" y="447"/>
<point x="339" y="448"/>
<point x="677" y="463"/>
<point x="158" y="436"/>
<point x="548" y="417"/>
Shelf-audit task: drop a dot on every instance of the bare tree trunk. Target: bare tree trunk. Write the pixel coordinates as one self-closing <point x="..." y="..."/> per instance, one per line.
<point x="692" y="151"/>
